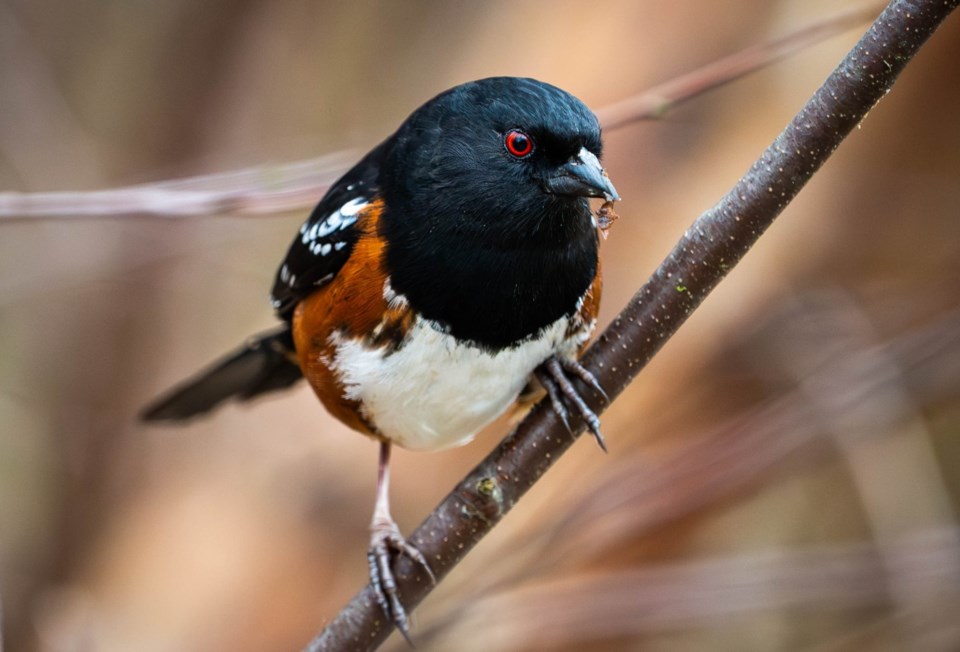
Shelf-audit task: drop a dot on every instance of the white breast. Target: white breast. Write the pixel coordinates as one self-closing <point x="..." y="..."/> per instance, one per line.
<point x="436" y="392"/>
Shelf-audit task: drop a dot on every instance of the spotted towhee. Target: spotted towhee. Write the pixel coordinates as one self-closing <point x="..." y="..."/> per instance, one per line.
<point x="450" y="270"/>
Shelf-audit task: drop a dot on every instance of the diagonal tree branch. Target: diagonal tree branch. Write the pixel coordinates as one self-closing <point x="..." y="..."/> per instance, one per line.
<point x="704" y="255"/>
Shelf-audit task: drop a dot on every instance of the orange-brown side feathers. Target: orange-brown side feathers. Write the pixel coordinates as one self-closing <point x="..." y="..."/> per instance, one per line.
<point x="351" y="305"/>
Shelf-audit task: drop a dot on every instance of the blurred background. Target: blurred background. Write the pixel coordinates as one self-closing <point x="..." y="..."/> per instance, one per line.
<point x="784" y="476"/>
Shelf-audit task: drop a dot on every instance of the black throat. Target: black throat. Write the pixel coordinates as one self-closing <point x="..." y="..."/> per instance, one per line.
<point x="492" y="285"/>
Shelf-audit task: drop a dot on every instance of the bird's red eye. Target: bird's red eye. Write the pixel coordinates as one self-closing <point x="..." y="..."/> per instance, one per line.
<point x="518" y="143"/>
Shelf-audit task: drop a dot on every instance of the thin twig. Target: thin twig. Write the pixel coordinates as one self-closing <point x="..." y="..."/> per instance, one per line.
<point x="269" y="190"/>
<point x="705" y="254"/>
<point x="660" y="100"/>
<point x="261" y="190"/>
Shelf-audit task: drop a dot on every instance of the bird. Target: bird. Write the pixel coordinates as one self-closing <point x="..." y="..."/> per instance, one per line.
<point x="453" y="272"/>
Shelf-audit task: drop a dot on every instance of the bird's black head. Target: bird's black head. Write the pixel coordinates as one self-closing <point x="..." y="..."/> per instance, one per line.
<point x="496" y="158"/>
<point x="487" y="218"/>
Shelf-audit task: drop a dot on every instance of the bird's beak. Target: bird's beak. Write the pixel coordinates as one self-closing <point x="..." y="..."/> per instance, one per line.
<point x="582" y="176"/>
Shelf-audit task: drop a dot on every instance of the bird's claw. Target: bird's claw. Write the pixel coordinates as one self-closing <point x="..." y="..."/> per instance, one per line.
<point x="386" y="538"/>
<point x="552" y="374"/>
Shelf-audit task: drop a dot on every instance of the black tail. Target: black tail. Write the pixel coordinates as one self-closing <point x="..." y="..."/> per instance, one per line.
<point x="266" y="363"/>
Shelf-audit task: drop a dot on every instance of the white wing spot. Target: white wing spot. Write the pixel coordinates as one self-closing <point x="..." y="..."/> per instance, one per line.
<point x="353" y="207"/>
<point x="338" y="221"/>
<point x="329" y="225"/>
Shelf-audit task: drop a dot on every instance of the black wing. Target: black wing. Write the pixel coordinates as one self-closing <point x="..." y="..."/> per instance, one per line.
<point x="327" y="237"/>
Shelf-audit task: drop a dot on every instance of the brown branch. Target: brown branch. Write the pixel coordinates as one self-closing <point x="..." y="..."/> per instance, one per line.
<point x="708" y="250"/>
<point x="290" y="186"/>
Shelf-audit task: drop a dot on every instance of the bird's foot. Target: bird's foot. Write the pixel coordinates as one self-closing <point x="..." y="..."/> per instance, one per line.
<point x="385" y="539"/>
<point x="553" y="375"/>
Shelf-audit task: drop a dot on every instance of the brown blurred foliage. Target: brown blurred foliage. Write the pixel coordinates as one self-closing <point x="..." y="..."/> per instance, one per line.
<point x="784" y="476"/>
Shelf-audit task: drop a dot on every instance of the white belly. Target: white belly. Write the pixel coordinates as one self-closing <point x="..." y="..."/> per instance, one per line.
<point x="435" y="392"/>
